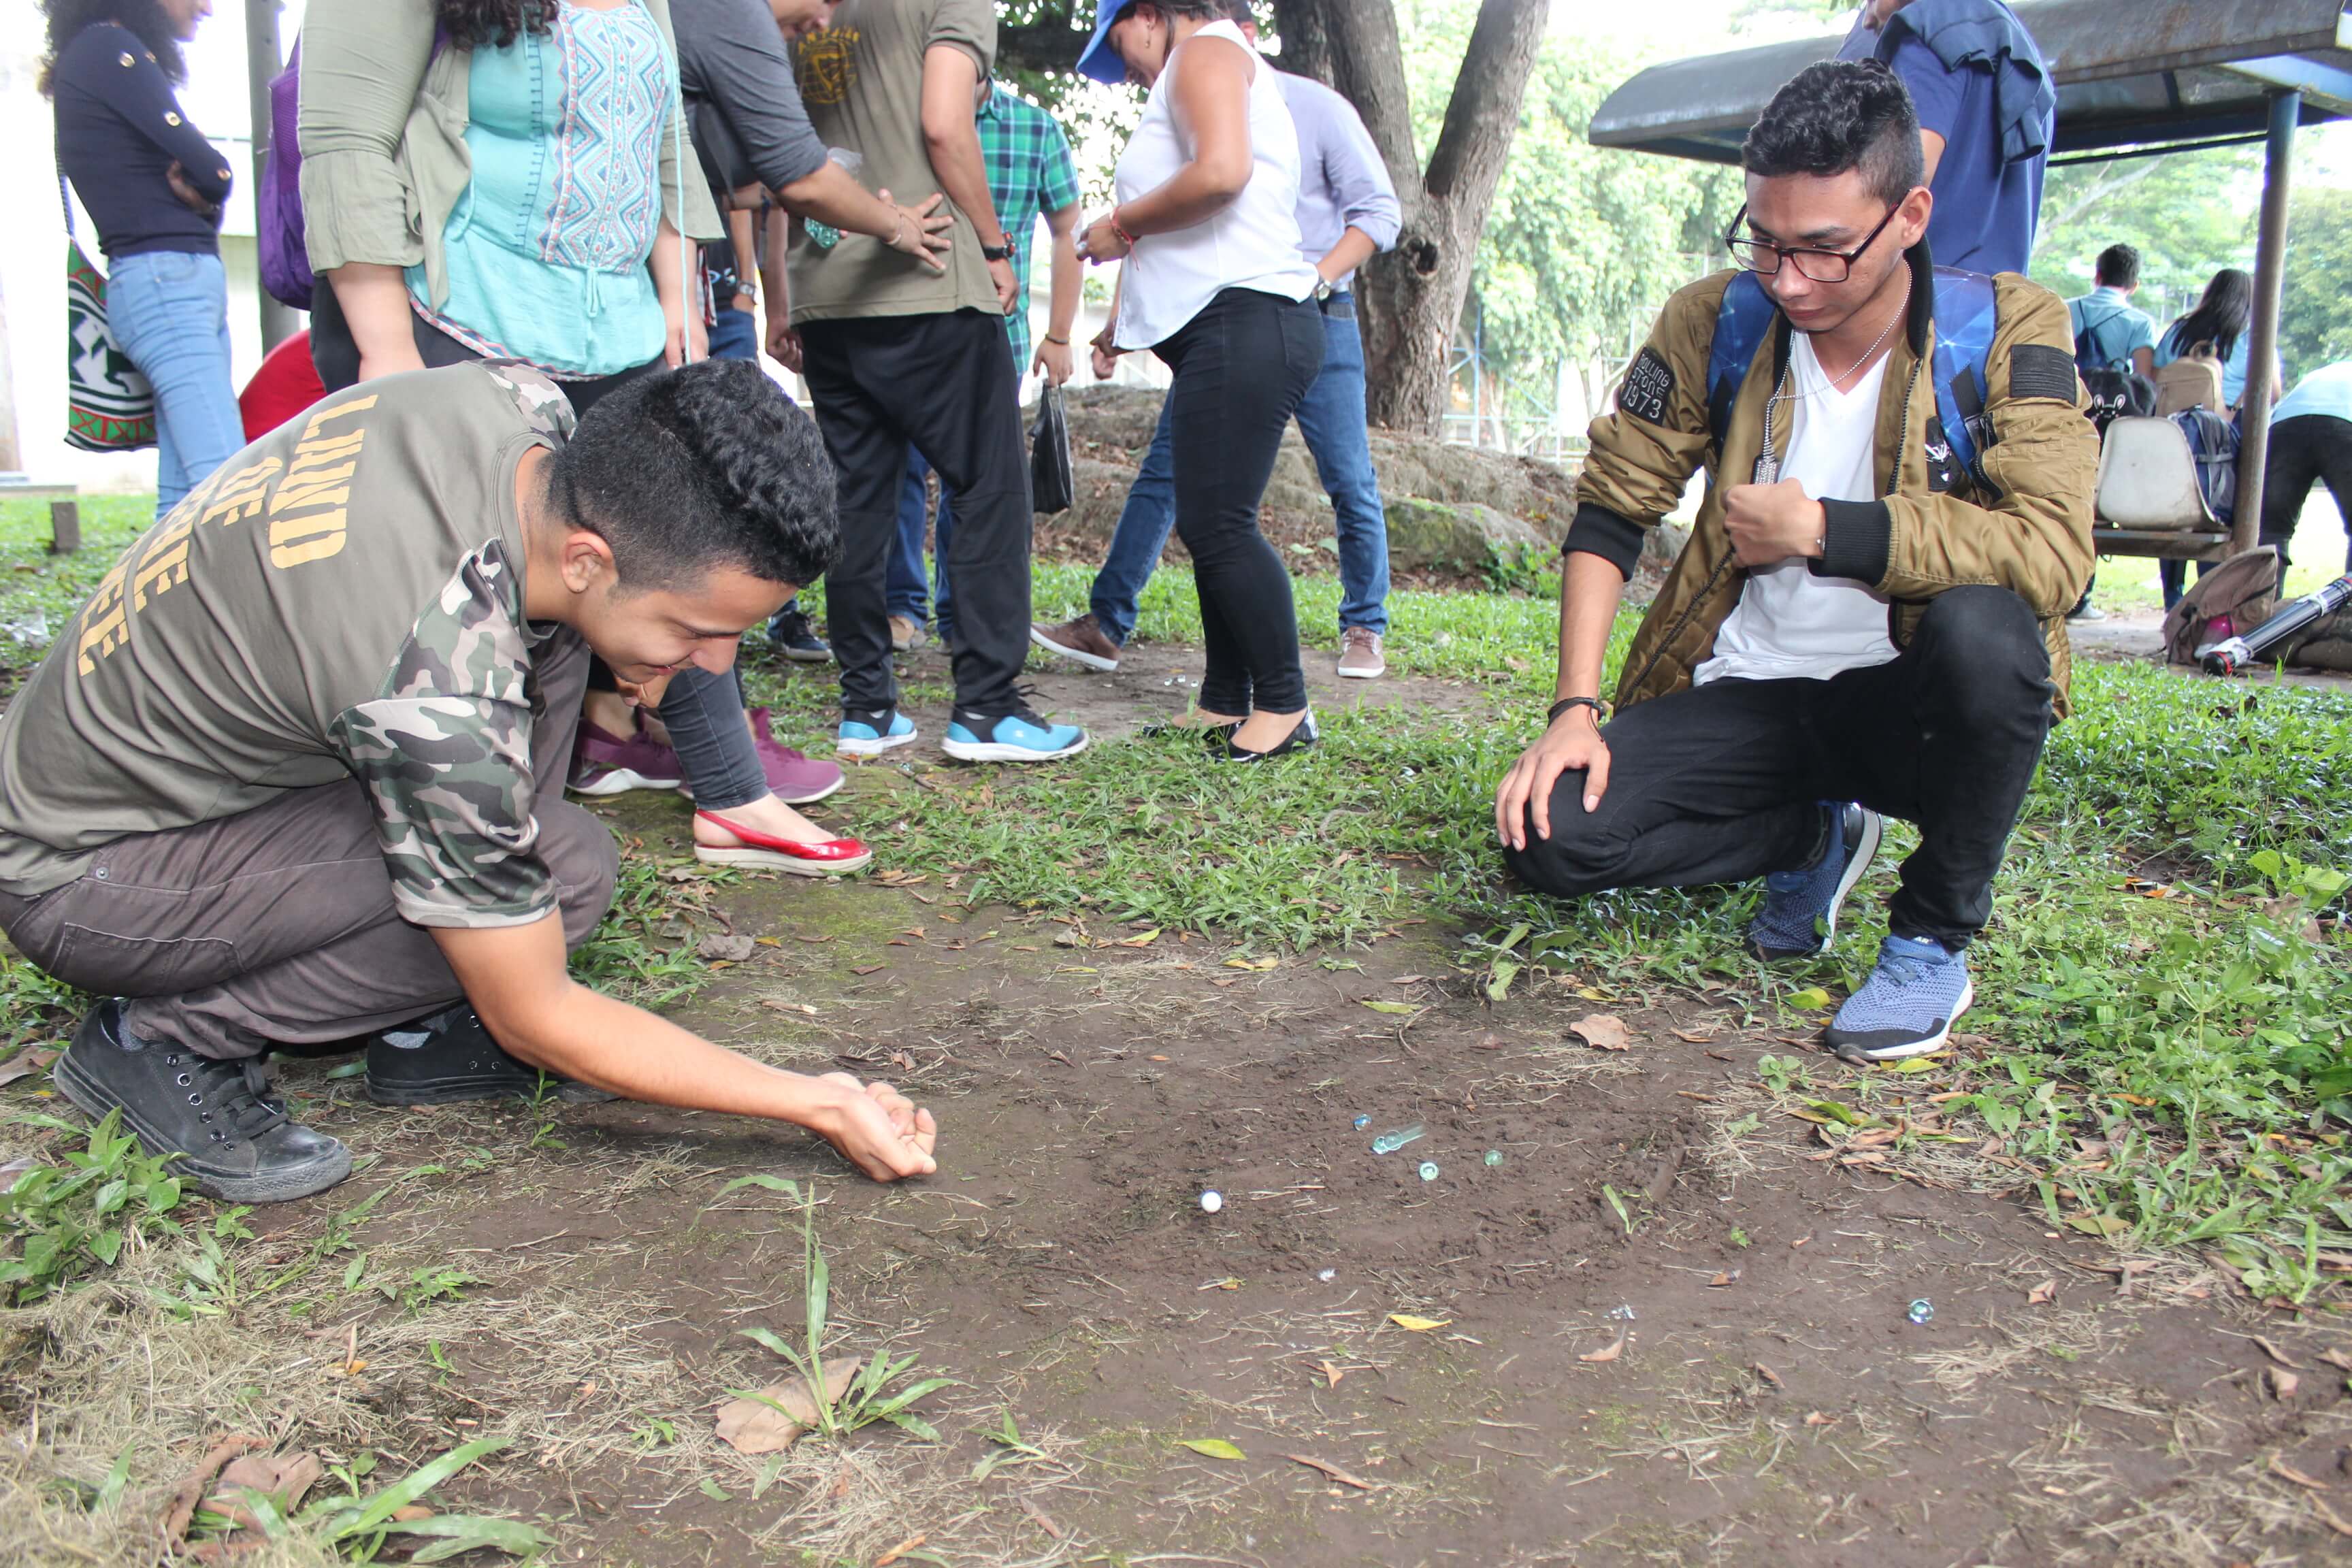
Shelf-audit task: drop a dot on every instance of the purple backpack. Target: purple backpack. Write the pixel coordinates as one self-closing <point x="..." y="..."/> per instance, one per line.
<point x="277" y="209"/>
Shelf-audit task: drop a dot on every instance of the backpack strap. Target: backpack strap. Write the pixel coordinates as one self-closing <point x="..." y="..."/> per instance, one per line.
<point x="1742" y="322"/>
<point x="1965" y="322"/>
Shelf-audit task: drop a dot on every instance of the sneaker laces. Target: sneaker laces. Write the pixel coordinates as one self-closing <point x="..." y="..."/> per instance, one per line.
<point x="236" y="1091"/>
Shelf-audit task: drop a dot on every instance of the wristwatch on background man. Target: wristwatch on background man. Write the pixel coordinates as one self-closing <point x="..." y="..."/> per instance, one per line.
<point x="1000" y="252"/>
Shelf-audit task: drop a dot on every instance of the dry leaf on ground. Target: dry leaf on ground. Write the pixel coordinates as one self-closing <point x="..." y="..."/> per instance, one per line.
<point x="1413" y="1325"/>
<point x="1332" y="1471"/>
<point x="1603" y="1032"/>
<point x="774" y="1418"/>
<point x="197" y="1481"/>
<point x="1608" y="1352"/>
<point x="2041" y="1294"/>
<point x="25" y="1064"/>
<point x="2282" y="1384"/>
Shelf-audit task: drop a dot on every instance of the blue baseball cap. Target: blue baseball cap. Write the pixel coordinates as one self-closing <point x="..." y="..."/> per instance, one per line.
<point x="1100" y="61"/>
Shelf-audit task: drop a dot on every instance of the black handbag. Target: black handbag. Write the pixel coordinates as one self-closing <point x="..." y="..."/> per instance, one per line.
<point x="1052" y="486"/>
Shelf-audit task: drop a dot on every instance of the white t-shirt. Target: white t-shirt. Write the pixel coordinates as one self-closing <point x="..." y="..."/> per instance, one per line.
<point x="1789" y="624"/>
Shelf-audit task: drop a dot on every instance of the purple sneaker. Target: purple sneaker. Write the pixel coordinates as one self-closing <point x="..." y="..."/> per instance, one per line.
<point x="606" y="763"/>
<point x="796" y="778"/>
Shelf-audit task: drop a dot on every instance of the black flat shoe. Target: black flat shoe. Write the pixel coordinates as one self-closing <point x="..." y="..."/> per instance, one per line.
<point x="1162" y="729"/>
<point x="1222" y="748"/>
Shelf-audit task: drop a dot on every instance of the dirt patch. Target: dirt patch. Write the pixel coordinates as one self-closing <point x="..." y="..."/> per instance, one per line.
<point x="1660" y="1335"/>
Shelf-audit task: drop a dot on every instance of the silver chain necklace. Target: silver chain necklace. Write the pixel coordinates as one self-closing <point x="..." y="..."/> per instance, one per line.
<point x="1767" y="467"/>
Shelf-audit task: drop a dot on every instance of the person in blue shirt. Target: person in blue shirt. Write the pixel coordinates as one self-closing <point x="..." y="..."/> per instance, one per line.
<point x="2110" y="333"/>
<point x="2311" y="439"/>
<point x="1988" y="110"/>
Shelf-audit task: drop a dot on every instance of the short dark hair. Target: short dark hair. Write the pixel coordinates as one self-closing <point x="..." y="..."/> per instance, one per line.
<point x="706" y="466"/>
<point x="1836" y="116"/>
<point x="2119" y="266"/>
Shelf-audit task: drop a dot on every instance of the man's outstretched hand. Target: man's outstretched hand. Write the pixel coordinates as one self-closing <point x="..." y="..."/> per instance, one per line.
<point x="1573" y="741"/>
<point x="878" y="1129"/>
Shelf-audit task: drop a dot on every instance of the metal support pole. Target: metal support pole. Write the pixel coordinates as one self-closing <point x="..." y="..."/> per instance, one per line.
<point x="2261" y="350"/>
<point x="263" y="60"/>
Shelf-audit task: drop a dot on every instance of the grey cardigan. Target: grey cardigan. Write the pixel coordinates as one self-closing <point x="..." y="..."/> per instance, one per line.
<point x="383" y="133"/>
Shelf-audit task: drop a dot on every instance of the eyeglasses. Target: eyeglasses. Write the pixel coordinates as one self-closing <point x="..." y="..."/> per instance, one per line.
<point x="1762" y="256"/>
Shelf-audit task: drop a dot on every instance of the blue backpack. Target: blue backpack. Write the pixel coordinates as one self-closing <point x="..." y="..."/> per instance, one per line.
<point x="1965" y="320"/>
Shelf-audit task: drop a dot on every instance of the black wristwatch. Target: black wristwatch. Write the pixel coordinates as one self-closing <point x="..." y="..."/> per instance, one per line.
<point x="1600" y="710"/>
<point x="1000" y="252"/>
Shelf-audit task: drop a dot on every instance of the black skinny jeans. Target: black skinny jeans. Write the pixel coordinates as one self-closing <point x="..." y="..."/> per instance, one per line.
<point x="942" y="382"/>
<point x="1719" y="783"/>
<point x="1242" y="365"/>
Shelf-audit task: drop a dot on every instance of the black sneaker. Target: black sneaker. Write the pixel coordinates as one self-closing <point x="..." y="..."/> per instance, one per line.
<point x="794" y="635"/>
<point x="450" y="1056"/>
<point x="235" y="1140"/>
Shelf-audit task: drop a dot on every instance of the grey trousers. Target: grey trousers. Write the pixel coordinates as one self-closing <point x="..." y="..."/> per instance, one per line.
<point x="277" y="926"/>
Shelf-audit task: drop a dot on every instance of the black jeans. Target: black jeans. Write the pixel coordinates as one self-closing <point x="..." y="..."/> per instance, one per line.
<point x="1719" y="783"/>
<point x="942" y="382"/>
<point x="1242" y="365"/>
<point x="2304" y="450"/>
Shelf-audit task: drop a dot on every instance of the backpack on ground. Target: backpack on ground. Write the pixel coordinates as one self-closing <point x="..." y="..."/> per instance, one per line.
<point x="1965" y="319"/>
<point x="2241" y="591"/>
<point x="2193" y="381"/>
<point x="2213" y="443"/>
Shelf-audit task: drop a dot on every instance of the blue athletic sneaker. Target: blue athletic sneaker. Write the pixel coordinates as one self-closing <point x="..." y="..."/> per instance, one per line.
<point x="1906" y="1008"/>
<point x="1019" y="736"/>
<point x="870" y="732"/>
<point x="1801" y="908"/>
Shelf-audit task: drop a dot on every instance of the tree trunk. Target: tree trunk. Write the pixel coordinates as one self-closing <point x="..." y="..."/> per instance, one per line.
<point x="1412" y="297"/>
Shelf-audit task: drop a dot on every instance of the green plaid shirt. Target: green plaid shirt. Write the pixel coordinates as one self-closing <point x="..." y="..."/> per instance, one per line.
<point x="1029" y="174"/>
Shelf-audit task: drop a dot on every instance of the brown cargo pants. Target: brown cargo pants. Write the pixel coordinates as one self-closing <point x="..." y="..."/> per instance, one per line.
<point x="277" y="926"/>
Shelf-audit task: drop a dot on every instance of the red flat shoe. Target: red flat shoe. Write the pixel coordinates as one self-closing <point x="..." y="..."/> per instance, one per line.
<point x="765" y="852"/>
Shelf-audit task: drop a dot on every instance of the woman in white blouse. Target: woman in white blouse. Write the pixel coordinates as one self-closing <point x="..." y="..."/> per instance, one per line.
<point x="1214" y="283"/>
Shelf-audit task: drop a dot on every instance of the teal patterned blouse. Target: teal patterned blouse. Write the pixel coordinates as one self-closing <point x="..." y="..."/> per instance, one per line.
<point x="547" y="250"/>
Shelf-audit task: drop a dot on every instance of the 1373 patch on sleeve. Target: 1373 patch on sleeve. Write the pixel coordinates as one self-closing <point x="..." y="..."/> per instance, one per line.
<point x="1649" y="387"/>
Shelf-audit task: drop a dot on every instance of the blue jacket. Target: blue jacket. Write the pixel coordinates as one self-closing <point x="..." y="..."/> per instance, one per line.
<point x="1986" y="32"/>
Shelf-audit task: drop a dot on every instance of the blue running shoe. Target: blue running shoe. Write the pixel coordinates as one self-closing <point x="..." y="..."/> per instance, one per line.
<point x="1906" y="1008"/>
<point x="1801" y="908"/>
<point x="1019" y="736"/>
<point x="870" y="732"/>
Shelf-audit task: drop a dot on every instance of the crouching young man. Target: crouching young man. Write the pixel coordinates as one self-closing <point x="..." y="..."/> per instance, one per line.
<point x="296" y="772"/>
<point x="1869" y="615"/>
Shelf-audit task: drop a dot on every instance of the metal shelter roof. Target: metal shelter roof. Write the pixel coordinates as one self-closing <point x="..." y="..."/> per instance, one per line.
<point x="2129" y="73"/>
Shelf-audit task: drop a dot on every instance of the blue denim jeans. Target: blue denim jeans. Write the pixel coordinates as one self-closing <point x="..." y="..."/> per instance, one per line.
<point x="168" y="311"/>
<point x="905" y="592"/>
<point x="1331" y="419"/>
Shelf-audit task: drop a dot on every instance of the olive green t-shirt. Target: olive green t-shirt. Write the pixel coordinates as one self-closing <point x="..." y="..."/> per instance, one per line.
<point x="862" y="82"/>
<point x="342" y="599"/>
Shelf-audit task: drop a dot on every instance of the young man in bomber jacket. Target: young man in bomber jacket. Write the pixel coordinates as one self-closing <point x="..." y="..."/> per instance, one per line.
<point x="1860" y="623"/>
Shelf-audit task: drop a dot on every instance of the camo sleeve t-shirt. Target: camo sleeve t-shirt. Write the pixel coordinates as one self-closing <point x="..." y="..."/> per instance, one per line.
<point x="343" y="599"/>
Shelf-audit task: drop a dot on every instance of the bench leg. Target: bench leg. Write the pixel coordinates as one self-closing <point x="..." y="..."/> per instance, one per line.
<point x="65" y="527"/>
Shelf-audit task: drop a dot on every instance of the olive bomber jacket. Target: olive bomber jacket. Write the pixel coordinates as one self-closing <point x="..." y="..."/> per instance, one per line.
<point x="2031" y="533"/>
